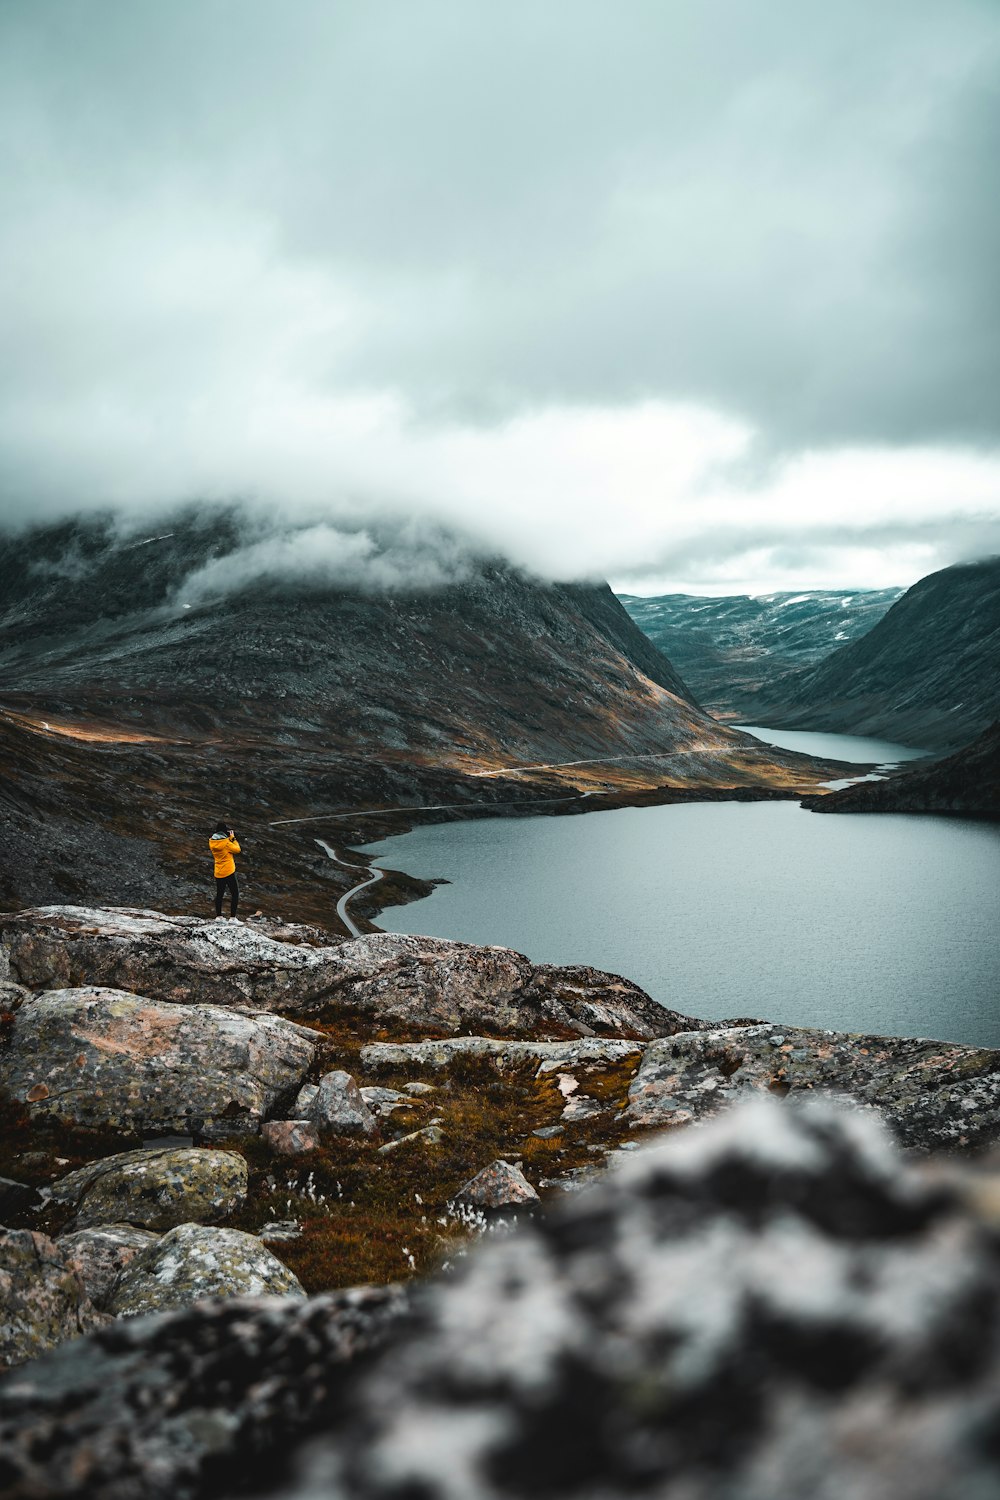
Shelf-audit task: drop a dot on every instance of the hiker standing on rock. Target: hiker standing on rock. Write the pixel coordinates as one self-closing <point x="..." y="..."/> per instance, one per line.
<point x="223" y="846"/>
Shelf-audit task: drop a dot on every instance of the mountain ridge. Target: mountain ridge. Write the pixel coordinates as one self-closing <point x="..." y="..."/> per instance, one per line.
<point x="927" y="674"/>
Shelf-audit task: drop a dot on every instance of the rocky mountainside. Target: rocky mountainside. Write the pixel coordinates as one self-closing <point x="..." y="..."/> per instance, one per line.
<point x="967" y="782"/>
<point x="496" y="666"/>
<point x="927" y="674"/>
<point x="139" y="703"/>
<point x="773" y="1304"/>
<point x="729" y="649"/>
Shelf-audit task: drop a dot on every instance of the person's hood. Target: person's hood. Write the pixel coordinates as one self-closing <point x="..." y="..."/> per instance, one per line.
<point x="218" y="838"/>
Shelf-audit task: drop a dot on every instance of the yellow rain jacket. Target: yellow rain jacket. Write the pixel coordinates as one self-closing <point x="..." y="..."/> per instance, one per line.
<point x="223" y="849"/>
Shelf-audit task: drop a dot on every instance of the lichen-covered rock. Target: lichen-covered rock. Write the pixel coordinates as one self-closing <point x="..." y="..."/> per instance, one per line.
<point x="12" y="995"/>
<point x="772" y="1307"/>
<point x="188" y="1403"/>
<point x="338" y="1108"/>
<point x="498" y="1186"/>
<point x="934" y="1094"/>
<point x="98" y="1255"/>
<point x="156" y="1188"/>
<point x="194" y="1261"/>
<point x="775" y="1306"/>
<point x="383" y="1102"/>
<point x="430" y="1135"/>
<point x="99" y="1057"/>
<point x="460" y="987"/>
<point x="291" y="1137"/>
<point x="42" y="1298"/>
<point x="179" y="959"/>
<point x="596" y="1051"/>
<point x="412" y="981"/>
<point x="304" y="1101"/>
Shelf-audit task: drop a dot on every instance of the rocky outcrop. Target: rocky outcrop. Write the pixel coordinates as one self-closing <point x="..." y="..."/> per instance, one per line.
<point x="548" y="1055"/>
<point x="100" y="1254"/>
<point x="43" y="1300"/>
<point x="100" y="1057"/>
<point x="396" y="979"/>
<point x="193" y="1261"/>
<point x="416" y="981"/>
<point x="157" y="1188"/>
<point x="775" y="1306"/>
<point x="186" y="1403"/>
<point x="498" y="1186"/>
<point x="183" y="960"/>
<point x="935" y="1095"/>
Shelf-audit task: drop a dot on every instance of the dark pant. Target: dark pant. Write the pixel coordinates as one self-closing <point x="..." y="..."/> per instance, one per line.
<point x="222" y="883"/>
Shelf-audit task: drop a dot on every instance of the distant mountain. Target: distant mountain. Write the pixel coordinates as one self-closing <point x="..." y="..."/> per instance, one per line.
<point x="966" y="783"/>
<point x="927" y="674"/>
<point x="498" y="667"/>
<point x="728" y="649"/>
<point x="135" y="707"/>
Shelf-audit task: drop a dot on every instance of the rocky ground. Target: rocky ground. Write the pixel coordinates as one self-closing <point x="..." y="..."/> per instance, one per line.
<point x="228" y="1146"/>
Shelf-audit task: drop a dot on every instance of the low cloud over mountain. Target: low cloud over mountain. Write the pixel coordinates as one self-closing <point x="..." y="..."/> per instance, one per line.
<point x="591" y="288"/>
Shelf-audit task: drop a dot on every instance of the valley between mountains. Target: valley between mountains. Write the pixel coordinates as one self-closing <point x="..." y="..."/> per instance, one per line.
<point x="364" y="1180"/>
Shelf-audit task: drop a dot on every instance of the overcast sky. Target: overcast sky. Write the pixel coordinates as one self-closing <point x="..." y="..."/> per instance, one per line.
<point x="693" y="294"/>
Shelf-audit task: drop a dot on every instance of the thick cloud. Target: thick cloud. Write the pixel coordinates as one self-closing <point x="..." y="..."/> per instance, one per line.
<point x="613" y="288"/>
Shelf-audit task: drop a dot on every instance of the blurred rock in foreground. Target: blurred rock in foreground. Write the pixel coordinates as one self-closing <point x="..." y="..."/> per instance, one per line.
<point x="772" y="1306"/>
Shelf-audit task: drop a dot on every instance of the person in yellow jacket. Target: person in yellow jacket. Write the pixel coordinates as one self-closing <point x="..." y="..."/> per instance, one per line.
<point x="223" y="846"/>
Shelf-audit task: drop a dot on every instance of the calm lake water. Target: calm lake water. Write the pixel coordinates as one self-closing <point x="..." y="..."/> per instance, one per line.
<point x="882" y="923"/>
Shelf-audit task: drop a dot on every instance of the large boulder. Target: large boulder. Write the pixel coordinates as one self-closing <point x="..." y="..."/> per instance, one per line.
<point x="191" y="1402"/>
<point x="99" y="1057"/>
<point x="398" y="979"/>
<point x="156" y="1188"/>
<point x="432" y="982"/>
<point x="181" y="959"/>
<point x="100" y="1254"/>
<point x="194" y="1261"/>
<point x="934" y="1094"/>
<point x="43" y="1300"/>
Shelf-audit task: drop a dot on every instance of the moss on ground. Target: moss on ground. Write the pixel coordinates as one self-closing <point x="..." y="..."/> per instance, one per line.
<point x="368" y="1216"/>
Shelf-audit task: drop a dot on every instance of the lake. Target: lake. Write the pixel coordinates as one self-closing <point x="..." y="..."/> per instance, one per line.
<point x="878" y="922"/>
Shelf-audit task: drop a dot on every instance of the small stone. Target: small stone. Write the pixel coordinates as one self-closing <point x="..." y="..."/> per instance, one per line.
<point x="194" y="1261"/>
<point x="155" y="1188"/>
<point x="548" y="1132"/>
<point x="281" y="1229"/>
<point x="581" y="1108"/>
<point x="566" y="1084"/>
<point x="431" y="1135"/>
<point x="339" y="1109"/>
<point x="500" y="1185"/>
<point x="290" y="1137"/>
<point x="418" y="1088"/>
